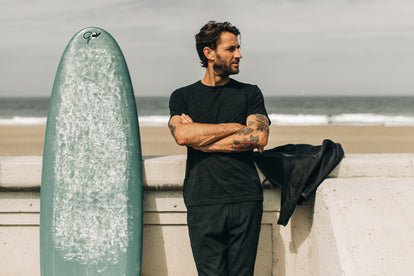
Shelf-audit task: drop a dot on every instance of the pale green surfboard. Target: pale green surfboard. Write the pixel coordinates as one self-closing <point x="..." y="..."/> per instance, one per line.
<point x="91" y="192"/>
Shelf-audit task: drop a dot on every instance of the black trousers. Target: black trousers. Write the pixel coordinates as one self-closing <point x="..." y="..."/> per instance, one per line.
<point x="224" y="237"/>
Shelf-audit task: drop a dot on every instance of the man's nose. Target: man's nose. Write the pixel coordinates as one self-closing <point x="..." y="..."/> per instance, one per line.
<point x="237" y="54"/>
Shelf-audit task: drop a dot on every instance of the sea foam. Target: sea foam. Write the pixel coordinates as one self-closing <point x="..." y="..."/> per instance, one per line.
<point x="364" y="119"/>
<point x="23" y="121"/>
<point x="360" y="119"/>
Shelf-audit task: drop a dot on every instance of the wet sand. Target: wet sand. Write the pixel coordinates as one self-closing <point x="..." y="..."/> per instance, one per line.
<point x="28" y="140"/>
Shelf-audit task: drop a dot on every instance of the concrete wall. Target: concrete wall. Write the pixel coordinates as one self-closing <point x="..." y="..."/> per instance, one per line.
<point x="359" y="222"/>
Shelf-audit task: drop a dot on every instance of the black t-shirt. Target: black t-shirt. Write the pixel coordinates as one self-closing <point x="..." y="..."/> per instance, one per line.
<point x="217" y="178"/>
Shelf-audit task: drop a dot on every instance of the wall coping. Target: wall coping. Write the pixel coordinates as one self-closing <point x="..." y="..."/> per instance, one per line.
<point x="167" y="172"/>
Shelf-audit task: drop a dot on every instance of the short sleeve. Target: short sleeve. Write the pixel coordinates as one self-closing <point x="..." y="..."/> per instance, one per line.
<point x="256" y="103"/>
<point x="177" y="104"/>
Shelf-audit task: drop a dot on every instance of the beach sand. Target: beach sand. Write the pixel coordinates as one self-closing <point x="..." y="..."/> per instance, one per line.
<point x="28" y="140"/>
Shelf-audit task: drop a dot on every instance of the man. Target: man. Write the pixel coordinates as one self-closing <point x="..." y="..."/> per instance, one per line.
<point x="221" y="121"/>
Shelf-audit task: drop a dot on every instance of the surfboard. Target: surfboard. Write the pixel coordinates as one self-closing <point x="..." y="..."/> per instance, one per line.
<point x="91" y="214"/>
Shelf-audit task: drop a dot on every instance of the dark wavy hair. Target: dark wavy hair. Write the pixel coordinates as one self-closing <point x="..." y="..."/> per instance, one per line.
<point x="209" y="35"/>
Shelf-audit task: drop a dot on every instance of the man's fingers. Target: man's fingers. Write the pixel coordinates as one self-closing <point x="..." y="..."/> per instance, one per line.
<point x="185" y="119"/>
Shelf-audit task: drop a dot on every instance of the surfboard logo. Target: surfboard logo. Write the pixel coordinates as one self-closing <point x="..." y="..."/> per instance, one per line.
<point x="90" y="35"/>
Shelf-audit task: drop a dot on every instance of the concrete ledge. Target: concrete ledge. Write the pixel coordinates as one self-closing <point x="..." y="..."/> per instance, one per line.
<point x="375" y="165"/>
<point x="359" y="222"/>
<point x="20" y="172"/>
<point x="167" y="172"/>
<point x="24" y="172"/>
<point x="164" y="172"/>
<point x="363" y="226"/>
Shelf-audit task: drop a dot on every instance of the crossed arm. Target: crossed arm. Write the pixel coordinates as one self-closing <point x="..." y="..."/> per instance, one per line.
<point x="228" y="137"/>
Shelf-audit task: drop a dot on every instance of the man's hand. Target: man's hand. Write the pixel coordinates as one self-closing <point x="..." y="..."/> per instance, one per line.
<point x="185" y="119"/>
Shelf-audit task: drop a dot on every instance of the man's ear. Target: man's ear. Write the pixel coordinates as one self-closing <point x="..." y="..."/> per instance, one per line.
<point x="209" y="53"/>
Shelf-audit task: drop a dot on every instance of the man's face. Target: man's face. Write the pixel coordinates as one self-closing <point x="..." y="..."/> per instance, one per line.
<point x="227" y="55"/>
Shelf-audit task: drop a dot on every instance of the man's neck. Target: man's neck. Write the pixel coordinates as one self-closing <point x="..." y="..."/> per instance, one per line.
<point x="212" y="79"/>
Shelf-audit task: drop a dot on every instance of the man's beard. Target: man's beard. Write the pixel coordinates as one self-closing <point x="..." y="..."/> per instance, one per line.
<point x="224" y="70"/>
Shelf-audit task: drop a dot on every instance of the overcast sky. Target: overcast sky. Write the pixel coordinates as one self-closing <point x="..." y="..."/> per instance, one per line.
<point x="289" y="47"/>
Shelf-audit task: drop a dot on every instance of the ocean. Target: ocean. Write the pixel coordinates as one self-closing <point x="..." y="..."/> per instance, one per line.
<point x="283" y="110"/>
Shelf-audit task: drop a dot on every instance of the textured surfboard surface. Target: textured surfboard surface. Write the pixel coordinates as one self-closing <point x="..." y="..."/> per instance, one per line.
<point x="91" y="190"/>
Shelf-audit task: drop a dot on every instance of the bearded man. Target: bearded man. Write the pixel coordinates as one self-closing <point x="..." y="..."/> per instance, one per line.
<point x="221" y="121"/>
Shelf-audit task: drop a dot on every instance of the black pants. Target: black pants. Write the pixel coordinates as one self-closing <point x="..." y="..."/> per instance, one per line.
<point x="224" y="237"/>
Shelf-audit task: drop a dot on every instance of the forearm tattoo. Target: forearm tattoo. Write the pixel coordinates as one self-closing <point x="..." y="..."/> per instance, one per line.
<point x="246" y="143"/>
<point x="251" y="142"/>
<point x="172" y="129"/>
<point x="245" y="131"/>
<point x="262" y="123"/>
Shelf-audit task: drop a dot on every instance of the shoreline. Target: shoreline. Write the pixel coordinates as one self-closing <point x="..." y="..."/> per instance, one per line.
<point x="17" y="140"/>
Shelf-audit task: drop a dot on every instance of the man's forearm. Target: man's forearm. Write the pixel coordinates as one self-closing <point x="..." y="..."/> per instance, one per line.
<point x="242" y="140"/>
<point x="253" y="136"/>
<point x="197" y="134"/>
<point x="204" y="134"/>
